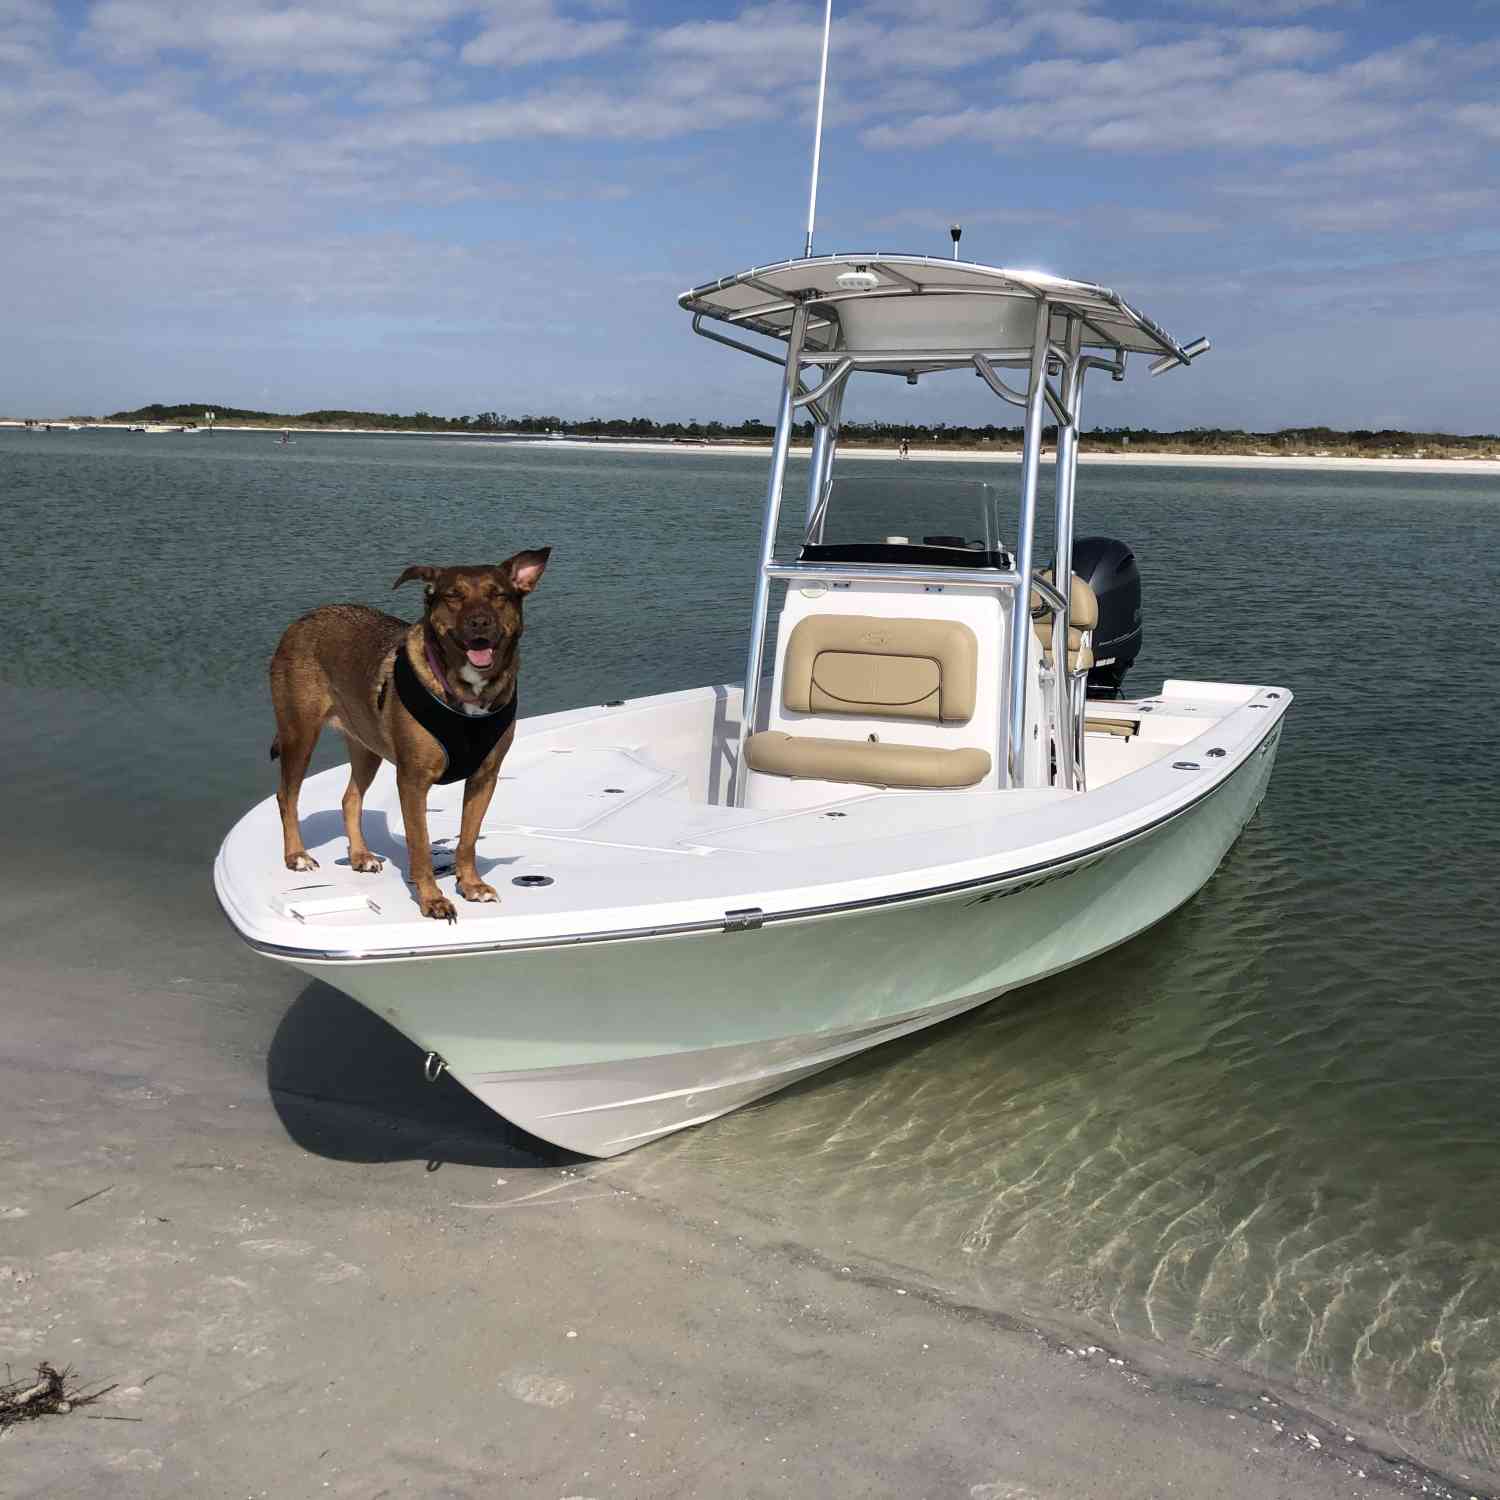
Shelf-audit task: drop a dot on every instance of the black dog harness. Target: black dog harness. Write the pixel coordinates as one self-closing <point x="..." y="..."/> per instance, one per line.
<point x="467" y="739"/>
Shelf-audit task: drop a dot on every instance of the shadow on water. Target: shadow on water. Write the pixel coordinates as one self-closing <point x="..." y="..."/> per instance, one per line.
<point x="349" y="1087"/>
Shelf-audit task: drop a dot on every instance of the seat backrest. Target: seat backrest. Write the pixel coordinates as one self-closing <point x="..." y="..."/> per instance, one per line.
<point x="870" y="666"/>
<point x="1083" y="604"/>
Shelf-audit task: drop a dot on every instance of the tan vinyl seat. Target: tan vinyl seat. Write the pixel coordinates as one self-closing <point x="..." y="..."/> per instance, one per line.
<point x="878" y="668"/>
<point x="865" y="666"/>
<point x="1083" y="615"/>
<point x="870" y="762"/>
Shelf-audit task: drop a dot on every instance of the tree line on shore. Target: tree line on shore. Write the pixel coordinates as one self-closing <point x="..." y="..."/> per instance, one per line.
<point x="1385" y="442"/>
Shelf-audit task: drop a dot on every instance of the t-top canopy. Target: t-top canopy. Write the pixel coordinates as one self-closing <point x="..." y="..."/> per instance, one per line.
<point x="927" y="312"/>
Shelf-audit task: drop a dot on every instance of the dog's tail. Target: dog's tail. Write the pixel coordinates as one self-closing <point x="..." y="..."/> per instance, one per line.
<point x="276" y="747"/>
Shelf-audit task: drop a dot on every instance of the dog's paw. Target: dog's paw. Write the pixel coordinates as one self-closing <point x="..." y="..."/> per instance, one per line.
<point x="301" y="861"/>
<point x="439" y="908"/>
<point x="477" y="890"/>
<point x="366" y="863"/>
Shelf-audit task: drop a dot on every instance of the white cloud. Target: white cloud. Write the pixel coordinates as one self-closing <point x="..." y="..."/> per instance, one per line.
<point x="1287" y="44"/>
<point x="1338" y="212"/>
<point x="1268" y="10"/>
<point x="521" y="32"/>
<point x="1214" y="90"/>
<point x="1485" y="118"/>
<point x="26" y="30"/>
<point x="259" y="34"/>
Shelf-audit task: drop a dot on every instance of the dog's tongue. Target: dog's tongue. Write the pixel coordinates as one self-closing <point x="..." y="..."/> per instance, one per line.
<point x="480" y="656"/>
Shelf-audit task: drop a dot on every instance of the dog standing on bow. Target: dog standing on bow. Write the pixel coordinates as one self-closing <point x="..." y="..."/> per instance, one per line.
<point x="437" y="699"/>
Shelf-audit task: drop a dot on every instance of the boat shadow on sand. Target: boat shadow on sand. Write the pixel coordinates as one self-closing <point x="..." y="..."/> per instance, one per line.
<point x="349" y="1087"/>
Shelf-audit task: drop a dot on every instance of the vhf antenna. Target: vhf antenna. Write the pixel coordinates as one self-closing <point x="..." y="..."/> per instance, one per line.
<point x="812" y="197"/>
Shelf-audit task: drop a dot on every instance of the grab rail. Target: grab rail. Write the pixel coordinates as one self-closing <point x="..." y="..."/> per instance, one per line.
<point x="966" y="578"/>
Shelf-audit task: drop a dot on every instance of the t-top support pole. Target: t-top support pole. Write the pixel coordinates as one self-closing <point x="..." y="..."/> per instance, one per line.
<point x="780" y="444"/>
<point x="1062" y="556"/>
<point x="1013" y="759"/>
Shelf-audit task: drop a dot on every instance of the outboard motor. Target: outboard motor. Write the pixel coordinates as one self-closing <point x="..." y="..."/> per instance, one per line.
<point x="1108" y="566"/>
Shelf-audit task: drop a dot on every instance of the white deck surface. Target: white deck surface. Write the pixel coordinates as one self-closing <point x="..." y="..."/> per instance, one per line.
<point x="631" y="845"/>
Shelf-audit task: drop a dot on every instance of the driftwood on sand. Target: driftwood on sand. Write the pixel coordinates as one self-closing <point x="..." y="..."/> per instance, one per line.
<point x="50" y="1392"/>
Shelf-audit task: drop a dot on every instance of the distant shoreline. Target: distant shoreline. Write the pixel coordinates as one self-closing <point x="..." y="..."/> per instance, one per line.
<point x="1489" y="466"/>
<point x="1181" y="458"/>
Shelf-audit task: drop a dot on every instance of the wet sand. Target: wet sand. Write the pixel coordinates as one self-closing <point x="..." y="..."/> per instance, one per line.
<point x="309" y="1273"/>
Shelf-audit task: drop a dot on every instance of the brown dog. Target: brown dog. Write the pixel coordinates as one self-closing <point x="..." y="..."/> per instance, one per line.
<point x="436" y="699"/>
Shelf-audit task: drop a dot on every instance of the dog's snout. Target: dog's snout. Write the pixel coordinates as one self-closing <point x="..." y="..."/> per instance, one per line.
<point x="480" y="624"/>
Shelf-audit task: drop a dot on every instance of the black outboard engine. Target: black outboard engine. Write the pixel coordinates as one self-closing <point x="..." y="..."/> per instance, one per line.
<point x="1108" y="566"/>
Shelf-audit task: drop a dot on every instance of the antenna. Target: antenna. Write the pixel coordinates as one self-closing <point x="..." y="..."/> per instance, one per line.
<point x="812" y="197"/>
<point x="955" y="233"/>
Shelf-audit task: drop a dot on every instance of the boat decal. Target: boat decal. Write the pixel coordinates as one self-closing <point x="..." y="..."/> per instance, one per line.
<point x="1030" y="885"/>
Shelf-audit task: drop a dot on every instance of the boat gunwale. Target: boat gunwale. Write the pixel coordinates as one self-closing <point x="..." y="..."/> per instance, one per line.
<point x="302" y="955"/>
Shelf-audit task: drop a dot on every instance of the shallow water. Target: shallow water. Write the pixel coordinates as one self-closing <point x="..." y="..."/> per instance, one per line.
<point x="1269" y="1128"/>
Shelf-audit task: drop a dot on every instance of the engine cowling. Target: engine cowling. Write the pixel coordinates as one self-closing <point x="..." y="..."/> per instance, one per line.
<point x="1108" y="566"/>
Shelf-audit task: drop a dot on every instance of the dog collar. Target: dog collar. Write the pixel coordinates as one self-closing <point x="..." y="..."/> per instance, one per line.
<point x="435" y="666"/>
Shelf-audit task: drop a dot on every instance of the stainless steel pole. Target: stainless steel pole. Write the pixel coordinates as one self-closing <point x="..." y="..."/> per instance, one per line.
<point x="1013" y="750"/>
<point x="754" y="661"/>
<point x="1062" y="555"/>
<point x="824" y="448"/>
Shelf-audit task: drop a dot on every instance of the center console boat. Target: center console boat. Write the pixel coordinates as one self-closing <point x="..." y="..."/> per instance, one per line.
<point x="927" y="790"/>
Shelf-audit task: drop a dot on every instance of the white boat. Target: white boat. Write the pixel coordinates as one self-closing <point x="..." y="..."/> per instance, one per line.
<point x="917" y="810"/>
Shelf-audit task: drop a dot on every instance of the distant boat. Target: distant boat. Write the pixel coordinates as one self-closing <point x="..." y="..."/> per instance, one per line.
<point x="284" y="440"/>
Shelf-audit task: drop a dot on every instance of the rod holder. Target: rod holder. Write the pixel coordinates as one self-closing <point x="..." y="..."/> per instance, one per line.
<point x="1189" y="352"/>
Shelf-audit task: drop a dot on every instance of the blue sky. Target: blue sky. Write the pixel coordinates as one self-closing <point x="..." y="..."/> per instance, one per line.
<point x="457" y="206"/>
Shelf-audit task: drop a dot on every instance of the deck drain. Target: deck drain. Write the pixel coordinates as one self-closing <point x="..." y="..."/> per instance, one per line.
<point x="1217" y="754"/>
<point x="835" y="815"/>
<point x="615" y="791"/>
<point x="532" y="880"/>
<point x="1185" y="765"/>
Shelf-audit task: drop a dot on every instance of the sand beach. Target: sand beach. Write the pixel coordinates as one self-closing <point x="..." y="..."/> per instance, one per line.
<point x="306" y="1273"/>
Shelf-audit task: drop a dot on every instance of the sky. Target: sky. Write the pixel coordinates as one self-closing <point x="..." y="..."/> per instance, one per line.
<point x="456" y="207"/>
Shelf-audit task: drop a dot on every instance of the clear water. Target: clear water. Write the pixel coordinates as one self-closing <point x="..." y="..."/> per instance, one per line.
<point x="1269" y="1128"/>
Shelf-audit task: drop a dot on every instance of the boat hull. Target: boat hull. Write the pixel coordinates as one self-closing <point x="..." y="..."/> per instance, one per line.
<point x="601" y="1046"/>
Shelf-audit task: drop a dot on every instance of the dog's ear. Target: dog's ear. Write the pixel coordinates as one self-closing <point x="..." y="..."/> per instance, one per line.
<point x="525" y="569"/>
<point x="424" y="571"/>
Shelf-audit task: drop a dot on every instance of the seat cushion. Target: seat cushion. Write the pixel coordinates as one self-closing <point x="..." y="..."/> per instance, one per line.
<point x="872" y="763"/>
<point x="1083" y="603"/>
<point x="871" y="667"/>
